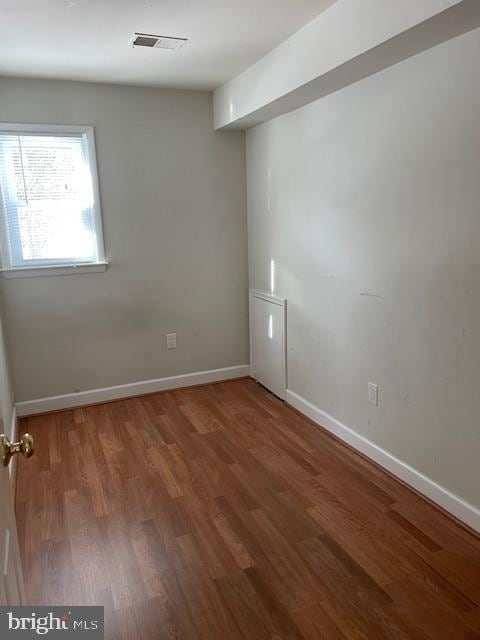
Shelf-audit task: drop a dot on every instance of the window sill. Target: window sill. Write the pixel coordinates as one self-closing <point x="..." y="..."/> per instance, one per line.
<point x="54" y="270"/>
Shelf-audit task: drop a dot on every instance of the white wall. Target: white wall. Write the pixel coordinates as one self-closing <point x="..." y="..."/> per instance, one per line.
<point x="173" y="200"/>
<point x="6" y="391"/>
<point x="368" y="202"/>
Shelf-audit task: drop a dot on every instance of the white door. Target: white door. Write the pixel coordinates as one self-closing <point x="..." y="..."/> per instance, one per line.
<point x="267" y="341"/>
<point x="12" y="591"/>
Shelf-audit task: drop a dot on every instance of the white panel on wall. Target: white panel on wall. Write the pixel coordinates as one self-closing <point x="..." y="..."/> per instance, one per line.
<point x="267" y="341"/>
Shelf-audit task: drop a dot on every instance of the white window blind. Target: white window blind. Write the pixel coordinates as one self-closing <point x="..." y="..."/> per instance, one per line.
<point x="48" y="200"/>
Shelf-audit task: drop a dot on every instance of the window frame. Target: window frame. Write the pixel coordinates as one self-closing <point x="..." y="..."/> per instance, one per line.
<point x="9" y="271"/>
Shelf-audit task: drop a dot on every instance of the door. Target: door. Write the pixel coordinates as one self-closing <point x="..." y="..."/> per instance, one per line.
<point x="267" y="341"/>
<point x="12" y="591"/>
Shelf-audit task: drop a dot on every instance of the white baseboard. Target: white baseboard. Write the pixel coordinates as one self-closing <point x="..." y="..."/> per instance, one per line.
<point x="93" y="396"/>
<point x="455" y="505"/>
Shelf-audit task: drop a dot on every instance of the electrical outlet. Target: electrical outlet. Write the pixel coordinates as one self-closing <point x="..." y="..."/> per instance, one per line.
<point x="171" y="340"/>
<point x="373" y="393"/>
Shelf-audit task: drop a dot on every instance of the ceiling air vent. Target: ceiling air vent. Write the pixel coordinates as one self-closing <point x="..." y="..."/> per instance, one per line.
<point x="157" y="42"/>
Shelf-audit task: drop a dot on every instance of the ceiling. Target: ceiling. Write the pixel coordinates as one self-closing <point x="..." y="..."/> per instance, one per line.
<point x="89" y="39"/>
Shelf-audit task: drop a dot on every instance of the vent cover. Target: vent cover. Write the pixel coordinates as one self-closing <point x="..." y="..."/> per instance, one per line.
<point x="157" y="42"/>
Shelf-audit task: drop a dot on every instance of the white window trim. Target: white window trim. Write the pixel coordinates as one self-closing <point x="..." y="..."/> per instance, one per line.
<point x="59" y="269"/>
<point x="54" y="270"/>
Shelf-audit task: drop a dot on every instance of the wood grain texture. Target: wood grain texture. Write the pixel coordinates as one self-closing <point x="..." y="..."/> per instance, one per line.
<point x="218" y="512"/>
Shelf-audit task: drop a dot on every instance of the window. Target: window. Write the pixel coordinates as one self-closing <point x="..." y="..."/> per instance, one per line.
<point x="51" y="220"/>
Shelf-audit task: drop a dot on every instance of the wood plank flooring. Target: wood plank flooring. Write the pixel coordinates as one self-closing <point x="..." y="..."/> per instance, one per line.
<point x="219" y="513"/>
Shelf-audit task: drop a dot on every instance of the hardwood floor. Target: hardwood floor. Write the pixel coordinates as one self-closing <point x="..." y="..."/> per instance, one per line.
<point x="219" y="513"/>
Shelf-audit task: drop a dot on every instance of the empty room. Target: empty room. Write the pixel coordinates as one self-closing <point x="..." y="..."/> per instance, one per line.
<point x="240" y="319"/>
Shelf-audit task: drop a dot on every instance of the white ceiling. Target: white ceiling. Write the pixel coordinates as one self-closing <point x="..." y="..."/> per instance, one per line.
<point x="89" y="39"/>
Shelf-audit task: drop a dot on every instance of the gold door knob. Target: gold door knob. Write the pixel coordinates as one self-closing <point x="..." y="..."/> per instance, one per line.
<point x="8" y="449"/>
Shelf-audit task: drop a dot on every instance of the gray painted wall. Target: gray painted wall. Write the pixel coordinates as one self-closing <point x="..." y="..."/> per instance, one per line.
<point x="173" y="200"/>
<point x="6" y="391"/>
<point x="368" y="202"/>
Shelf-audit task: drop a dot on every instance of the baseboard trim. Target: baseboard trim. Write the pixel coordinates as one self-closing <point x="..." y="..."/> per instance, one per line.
<point x="106" y="394"/>
<point x="449" y="502"/>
